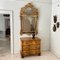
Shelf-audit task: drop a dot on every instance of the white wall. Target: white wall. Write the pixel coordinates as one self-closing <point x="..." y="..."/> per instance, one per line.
<point x="55" y="36"/>
<point x="2" y="26"/>
<point x="43" y="26"/>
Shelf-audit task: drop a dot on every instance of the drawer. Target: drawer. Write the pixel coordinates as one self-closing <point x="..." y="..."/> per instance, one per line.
<point x="35" y="42"/>
<point x="34" y="52"/>
<point x="25" y="47"/>
<point x="25" y="53"/>
<point x="26" y="42"/>
<point x="35" y="47"/>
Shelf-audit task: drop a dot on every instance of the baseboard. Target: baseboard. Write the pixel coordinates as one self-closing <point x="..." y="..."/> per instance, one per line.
<point x="56" y="54"/>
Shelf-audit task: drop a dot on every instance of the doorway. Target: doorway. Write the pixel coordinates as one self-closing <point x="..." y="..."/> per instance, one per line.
<point x="6" y="32"/>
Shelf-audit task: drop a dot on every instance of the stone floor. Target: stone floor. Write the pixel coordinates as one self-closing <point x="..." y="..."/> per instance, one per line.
<point x="44" y="56"/>
<point x="5" y="53"/>
<point x="4" y="46"/>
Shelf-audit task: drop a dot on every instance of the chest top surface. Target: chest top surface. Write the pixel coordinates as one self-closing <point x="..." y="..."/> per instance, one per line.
<point x="29" y="38"/>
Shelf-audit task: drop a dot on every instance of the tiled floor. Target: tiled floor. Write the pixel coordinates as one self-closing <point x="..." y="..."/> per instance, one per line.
<point x="45" y="56"/>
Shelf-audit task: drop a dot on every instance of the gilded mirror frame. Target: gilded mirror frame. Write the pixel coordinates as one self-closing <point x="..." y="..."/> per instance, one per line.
<point x="27" y="14"/>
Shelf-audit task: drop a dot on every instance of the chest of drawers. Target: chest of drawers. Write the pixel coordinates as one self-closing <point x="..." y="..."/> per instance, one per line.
<point x="30" y="46"/>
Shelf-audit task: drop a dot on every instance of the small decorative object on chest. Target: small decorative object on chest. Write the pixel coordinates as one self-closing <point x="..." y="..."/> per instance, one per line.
<point x="30" y="46"/>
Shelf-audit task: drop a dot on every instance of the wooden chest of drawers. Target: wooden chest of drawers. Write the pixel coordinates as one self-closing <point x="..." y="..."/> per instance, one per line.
<point x="30" y="46"/>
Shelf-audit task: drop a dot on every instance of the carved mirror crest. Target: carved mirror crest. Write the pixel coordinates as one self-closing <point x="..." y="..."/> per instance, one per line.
<point x="29" y="17"/>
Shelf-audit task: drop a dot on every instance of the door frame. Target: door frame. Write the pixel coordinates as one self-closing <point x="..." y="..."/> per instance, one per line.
<point x="11" y="28"/>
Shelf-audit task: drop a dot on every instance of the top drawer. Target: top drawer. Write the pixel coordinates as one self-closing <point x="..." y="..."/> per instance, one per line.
<point x="35" y="42"/>
<point x="28" y="41"/>
<point x="25" y="42"/>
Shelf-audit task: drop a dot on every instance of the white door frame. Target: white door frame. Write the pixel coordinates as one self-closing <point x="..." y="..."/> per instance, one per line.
<point x="11" y="28"/>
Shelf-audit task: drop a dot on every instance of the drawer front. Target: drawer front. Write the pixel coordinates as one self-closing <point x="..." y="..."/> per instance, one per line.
<point x="35" y="42"/>
<point x="32" y="47"/>
<point x="26" y="42"/>
<point x="25" y="53"/>
<point x="25" y="48"/>
<point x="34" y="52"/>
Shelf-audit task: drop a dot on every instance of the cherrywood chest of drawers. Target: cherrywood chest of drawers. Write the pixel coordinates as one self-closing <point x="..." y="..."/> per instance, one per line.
<point x="30" y="46"/>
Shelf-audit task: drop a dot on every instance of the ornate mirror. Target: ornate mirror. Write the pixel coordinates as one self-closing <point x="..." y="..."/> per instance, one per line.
<point x="28" y="17"/>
